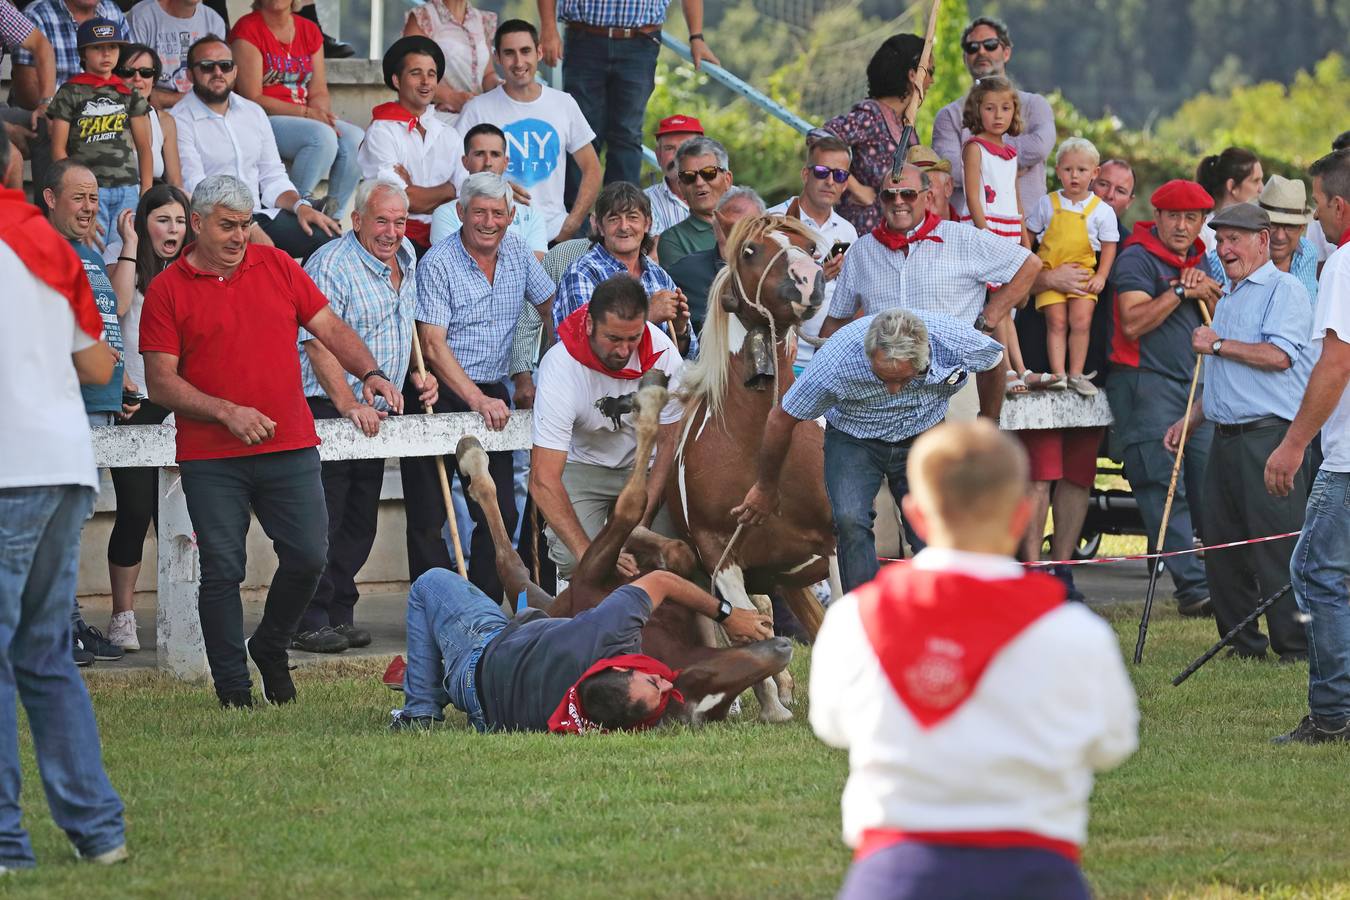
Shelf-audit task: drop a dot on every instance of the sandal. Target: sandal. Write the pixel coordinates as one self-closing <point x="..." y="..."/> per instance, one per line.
<point x="1053" y="382"/>
<point x="1034" y="380"/>
<point x="1083" y="385"/>
<point x="1013" y="384"/>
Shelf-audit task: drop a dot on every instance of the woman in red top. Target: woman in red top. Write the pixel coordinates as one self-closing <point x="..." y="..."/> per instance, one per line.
<point x="281" y="68"/>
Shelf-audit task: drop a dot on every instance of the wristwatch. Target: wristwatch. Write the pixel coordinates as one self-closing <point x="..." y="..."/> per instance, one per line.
<point x="1179" y="291"/>
<point x="1214" y="347"/>
<point x="372" y="373"/>
<point x="982" y="324"/>
<point x="724" y="608"/>
<point x="303" y="201"/>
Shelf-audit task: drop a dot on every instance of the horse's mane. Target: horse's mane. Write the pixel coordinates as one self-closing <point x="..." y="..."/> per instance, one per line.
<point x="706" y="377"/>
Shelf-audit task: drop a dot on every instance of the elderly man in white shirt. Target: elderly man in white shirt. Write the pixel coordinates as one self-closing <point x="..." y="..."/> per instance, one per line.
<point x="222" y="133"/>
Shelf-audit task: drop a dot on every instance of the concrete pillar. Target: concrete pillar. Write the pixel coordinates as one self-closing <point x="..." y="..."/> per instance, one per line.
<point x="178" y="628"/>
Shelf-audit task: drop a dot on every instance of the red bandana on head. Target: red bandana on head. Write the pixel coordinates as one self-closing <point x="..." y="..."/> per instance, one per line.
<point x="1006" y="151"/>
<point x="49" y="257"/>
<point x="394" y="112"/>
<point x="935" y="633"/>
<point x="570" y="718"/>
<point x="898" y="240"/>
<point x="1145" y="236"/>
<point x="572" y="334"/>
<point x="92" y="80"/>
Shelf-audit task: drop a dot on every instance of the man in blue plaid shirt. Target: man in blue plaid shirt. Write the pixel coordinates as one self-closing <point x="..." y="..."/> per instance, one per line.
<point x="880" y="382"/>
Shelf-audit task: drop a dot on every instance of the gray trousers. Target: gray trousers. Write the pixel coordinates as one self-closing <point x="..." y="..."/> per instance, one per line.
<point x="593" y="491"/>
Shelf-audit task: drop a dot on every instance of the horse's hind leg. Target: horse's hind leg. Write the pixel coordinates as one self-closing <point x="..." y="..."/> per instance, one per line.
<point x="731" y="581"/>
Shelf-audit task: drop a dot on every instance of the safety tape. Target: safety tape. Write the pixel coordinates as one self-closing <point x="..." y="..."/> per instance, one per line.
<point x="1115" y="559"/>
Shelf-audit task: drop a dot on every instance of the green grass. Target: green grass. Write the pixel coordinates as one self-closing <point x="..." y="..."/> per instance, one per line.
<point x="316" y="800"/>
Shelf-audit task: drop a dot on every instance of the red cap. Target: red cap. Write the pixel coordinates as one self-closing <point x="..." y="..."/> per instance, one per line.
<point x="1179" y="195"/>
<point x="679" y="125"/>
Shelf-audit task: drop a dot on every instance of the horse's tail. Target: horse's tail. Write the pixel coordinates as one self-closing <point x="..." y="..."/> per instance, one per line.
<point x="706" y="377"/>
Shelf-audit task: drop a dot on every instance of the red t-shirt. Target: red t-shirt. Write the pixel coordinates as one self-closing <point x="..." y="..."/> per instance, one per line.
<point x="235" y="338"/>
<point x="287" y="68"/>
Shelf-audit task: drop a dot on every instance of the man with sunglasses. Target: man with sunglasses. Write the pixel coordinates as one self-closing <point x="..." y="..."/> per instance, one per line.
<point x="823" y="179"/>
<point x="987" y="47"/>
<point x="701" y="164"/>
<point x="222" y="133"/>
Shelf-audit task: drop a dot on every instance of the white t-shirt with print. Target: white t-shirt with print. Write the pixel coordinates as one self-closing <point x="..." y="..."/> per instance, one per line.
<point x="171" y="37"/>
<point x="1101" y="223"/>
<point x="1333" y="314"/>
<point x="565" y="414"/>
<point x="539" y="137"/>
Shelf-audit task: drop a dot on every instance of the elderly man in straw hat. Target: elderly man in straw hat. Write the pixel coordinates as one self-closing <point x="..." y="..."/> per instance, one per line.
<point x="1285" y="200"/>
<point x="940" y="184"/>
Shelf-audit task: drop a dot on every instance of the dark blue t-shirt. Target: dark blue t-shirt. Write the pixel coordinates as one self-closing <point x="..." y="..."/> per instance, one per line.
<point x="527" y="668"/>
<point x="103" y="397"/>
<point x="1166" y="349"/>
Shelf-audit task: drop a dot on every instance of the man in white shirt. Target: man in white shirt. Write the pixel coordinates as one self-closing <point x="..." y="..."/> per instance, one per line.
<point x="407" y="143"/>
<point x="583" y="428"/>
<point x="668" y="204"/>
<point x="171" y="26"/>
<point x="823" y="180"/>
<point x="222" y="133"/>
<point x="972" y="739"/>
<point x="543" y="127"/>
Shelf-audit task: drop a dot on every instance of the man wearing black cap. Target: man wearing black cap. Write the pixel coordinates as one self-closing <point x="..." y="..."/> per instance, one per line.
<point x="406" y="143"/>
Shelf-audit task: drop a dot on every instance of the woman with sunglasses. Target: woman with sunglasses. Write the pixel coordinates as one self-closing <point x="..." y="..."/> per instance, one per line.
<point x="139" y="68"/>
<point x="151" y="239"/>
<point x="872" y="128"/>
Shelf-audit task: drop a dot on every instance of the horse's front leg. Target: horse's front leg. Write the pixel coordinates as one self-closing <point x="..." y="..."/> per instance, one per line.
<point x="731" y="582"/>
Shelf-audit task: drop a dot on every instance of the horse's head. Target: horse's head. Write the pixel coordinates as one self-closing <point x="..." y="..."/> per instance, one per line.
<point x="775" y="272"/>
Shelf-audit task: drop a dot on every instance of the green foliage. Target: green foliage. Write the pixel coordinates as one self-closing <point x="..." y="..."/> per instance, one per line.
<point x="949" y="63"/>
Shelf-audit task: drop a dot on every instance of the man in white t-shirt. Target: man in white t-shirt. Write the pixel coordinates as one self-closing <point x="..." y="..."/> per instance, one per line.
<point x="543" y="127"/>
<point x="1320" y="569"/>
<point x="170" y="27"/>
<point x="584" y="443"/>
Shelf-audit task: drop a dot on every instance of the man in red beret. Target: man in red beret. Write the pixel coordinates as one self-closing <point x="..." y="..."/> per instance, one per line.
<point x="668" y="206"/>
<point x="1160" y="280"/>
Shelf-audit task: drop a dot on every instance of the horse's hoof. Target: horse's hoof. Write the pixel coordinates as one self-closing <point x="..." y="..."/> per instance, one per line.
<point x="775" y="716"/>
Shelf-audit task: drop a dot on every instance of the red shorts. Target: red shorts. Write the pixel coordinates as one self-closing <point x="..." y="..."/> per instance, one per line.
<point x="1067" y="453"/>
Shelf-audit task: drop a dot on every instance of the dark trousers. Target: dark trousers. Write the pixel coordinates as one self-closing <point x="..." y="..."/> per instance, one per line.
<point x="917" y="871"/>
<point x="426" y="508"/>
<point x="1236" y="506"/>
<point x="137" y="491"/>
<point x="351" y="491"/>
<point x="285" y="231"/>
<point x="285" y="492"/>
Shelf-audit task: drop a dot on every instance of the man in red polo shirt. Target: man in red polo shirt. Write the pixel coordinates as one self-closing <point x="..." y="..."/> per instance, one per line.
<point x="218" y="332"/>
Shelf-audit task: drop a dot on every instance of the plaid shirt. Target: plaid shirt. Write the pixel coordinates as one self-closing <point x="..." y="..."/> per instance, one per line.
<point x="360" y="291"/>
<point x="15" y="28"/>
<point x="948" y="278"/>
<point x="56" y="22"/>
<point x="614" y="13"/>
<point x="841" y="385"/>
<point x="584" y="276"/>
<point x="479" y="318"/>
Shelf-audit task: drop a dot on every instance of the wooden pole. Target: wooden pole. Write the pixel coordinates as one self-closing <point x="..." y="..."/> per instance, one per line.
<point x="440" y="472"/>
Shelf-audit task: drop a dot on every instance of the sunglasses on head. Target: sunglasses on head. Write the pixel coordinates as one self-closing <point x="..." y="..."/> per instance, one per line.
<point x="823" y="172"/>
<point x="707" y="173"/>
<point x="989" y="44"/>
<point x="909" y="195"/>
<point x="210" y="65"/>
<point x="143" y="71"/>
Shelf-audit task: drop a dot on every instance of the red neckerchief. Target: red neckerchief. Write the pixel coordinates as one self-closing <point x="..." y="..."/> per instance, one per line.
<point x="394" y="112"/>
<point x="898" y="240"/>
<point x="92" y="80"/>
<point x="572" y="333"/>
<point x="952" y="214"/>
<point x="935" y="633"/>
<point x="49" y="257"/>
<point x="1146" y="237"/>
<point x="570" y="718"/>
<point x="1002" y="151"/>
<point x="1345" y="237"/>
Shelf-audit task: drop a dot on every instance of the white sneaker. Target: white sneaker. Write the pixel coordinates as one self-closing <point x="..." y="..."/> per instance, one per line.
<point x="122" y="631"/>
<point x="108" y="857"/>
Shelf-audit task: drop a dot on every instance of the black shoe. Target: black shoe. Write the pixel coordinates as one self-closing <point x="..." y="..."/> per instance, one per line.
<point x="82" y="656"/>
<point x="335" y="49"/>
<point x="87" y="637"/>
<point x="1065" y="575"/>
<point x="1196" y="609"/>
<point x="236" y="700"/>
<point x="399" y="722"/>
<point x="325" y="640"/>
<point x="1310" y="731"/>
<point x="1246" y="655"/>
<point x="356" y="637"/>
<point x="278" y="688"/>
<point x="1289" y="659"/>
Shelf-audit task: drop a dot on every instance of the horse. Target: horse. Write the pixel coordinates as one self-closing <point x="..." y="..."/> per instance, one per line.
<point x="710" y="678"/>
<point x="743" y="369"/>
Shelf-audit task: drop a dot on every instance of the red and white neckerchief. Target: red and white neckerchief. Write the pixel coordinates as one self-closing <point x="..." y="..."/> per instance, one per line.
<point x="570" y="718"/>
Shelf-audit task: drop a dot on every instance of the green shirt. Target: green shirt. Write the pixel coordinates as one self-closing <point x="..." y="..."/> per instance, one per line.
<point x="689" y="236"/>
<point x="100" y="130"/>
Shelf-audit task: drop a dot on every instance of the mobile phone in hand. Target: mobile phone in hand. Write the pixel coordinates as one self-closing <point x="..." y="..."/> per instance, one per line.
<point x="838" y="248"/>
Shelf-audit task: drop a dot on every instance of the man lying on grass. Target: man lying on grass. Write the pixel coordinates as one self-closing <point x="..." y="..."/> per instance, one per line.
<point x="535" y="673"/>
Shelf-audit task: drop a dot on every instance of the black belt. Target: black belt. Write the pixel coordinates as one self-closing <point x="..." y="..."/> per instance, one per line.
<point x="1253" y="425"/>
<point x="615" y="34"/>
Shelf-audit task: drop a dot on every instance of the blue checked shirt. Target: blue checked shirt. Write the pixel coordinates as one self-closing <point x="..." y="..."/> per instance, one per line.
<point x="949" y="278"/>
<point x="614" y="13"/>
<point x="479" y="318"/>
<point x="55" y="21"/>
<point x="841" y="385"/>
<point x="1266" y="307"/>
<point x="361" y="292"/>
<point x="1303" y="267"/>
<point x="584" y="276"/>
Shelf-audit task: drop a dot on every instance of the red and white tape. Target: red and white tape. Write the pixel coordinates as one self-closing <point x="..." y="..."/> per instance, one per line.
<point x="1114" y="559"/>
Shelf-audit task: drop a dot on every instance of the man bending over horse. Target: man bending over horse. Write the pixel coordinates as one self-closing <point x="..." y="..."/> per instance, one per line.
<point x="974" y="702"/>
<point x="536" y="673"/>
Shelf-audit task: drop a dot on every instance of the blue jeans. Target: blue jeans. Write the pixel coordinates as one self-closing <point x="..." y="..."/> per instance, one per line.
<point x="854" y="468"/>
<point x="1320" y="572"/>
<point x="39" y="556"/>
<point x="316" y="150"/>
<point x="611" y="82"/>
<point x="1148" y="467"/>
<point x="111" y="202"/>
<point x="449" y="623"/>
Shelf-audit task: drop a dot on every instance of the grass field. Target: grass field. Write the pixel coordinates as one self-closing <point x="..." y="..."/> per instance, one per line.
<point x="317" y="800"/>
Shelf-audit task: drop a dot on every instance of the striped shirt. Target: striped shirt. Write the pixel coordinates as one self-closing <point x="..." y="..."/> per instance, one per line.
<point x="614" y="13"/>
<point x="53" y="18"/>
<point x="360" y="290"/>
<point x="1303" y="266"/>
<point x="584" y="276"/>
<point x="479" y="318"/>
<point x="948" y="278"/>
<point x="1266" y="307"/>
<point x="668" y="207"/>
<point x="841" y="385"/>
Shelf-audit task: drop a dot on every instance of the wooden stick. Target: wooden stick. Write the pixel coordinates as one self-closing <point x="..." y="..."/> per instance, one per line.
<point x="925" y="66"/>
<point x="440" y="472"/>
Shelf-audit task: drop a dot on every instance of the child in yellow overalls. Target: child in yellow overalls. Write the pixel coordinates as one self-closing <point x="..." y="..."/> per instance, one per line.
<point x="1074" y="226"/>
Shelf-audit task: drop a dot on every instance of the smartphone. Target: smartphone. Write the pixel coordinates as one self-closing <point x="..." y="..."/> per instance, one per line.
<point x="130" y="399"/>
<point x="838" y="249"/>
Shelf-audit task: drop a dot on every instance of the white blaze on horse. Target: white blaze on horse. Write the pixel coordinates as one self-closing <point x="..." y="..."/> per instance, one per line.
<point x="770" y="286"/>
